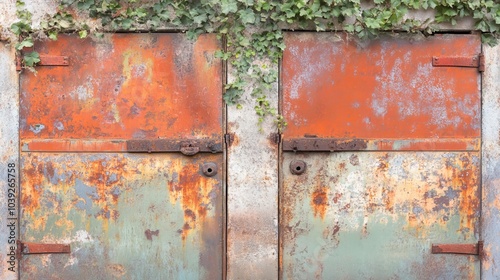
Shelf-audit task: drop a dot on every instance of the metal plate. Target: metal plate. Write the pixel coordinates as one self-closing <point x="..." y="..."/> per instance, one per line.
<point x="124" y="215"/>
<point x="125" y="86"/>
<point x="127" y="216"/>
<point x="375" y="215"/>
<point x="336" y="87"/>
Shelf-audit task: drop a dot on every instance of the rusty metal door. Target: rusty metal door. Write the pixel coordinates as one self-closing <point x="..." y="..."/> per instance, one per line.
<point x="122" y="164"/>
<point x="380" y="167"/>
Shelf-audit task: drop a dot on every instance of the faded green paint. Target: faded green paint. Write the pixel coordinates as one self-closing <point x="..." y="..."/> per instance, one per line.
<point x="375" y="215"/>
<point x="137" y="217"/>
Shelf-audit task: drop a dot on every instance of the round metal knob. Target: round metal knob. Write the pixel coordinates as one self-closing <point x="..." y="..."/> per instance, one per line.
<point x="298" y="167"/>
<point x="209" y="169"/>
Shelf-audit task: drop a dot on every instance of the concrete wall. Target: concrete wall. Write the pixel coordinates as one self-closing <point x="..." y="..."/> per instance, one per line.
<point x="491" y="164"/>
<point x="9" y="159"/>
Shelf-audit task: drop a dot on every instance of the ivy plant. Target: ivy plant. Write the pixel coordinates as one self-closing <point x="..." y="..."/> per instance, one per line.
<point x="253" y="29"/>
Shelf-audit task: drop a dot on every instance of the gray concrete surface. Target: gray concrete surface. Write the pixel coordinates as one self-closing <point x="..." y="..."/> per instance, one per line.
<point x="491" y="164"/>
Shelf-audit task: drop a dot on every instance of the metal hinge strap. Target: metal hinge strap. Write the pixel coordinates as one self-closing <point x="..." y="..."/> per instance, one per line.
<point x="459" y="61"/>
<point x="323" y="145"/>
<point x="27" y="248"/>
<point x="53" y="60"/>
<point x="45" y="60"/>
<point x="186" y="147"/>
<point x="463" y="249"/>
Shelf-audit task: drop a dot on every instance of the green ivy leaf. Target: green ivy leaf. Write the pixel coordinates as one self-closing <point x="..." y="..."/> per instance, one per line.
<point x="247" y="16"/>
<point x="53" y="35"/>
<point x="32" y="58"/>
<point x="228" y="6"/>
<point x="26" y="43"/>
<point x="82" y="34"/>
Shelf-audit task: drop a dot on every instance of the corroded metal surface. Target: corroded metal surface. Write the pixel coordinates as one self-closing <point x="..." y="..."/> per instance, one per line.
<point x="336" y="87"/>
<point x="134" y="216"/>
<point x="375" y="215"/>
<point x="128" y="216"/>
<point x="490" y="226"/>
<point x="125" y="86"/>
<point x="333" y="145"/>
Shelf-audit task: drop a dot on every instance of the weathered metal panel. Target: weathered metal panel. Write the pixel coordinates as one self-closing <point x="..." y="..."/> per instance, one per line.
<point x="252" y="203"/>
<point x="125" y="86"/>
<point x="491" y="165"/>
<point x="135" y="215"/>
<point x="337" y="87"/>
<point x="127" y="216"/>
<point x="9" y="159"/>
<point x="375" y="215"/>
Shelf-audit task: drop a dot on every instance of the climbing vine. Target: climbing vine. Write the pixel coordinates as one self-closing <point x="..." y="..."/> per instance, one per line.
<point x="253" y="29"/>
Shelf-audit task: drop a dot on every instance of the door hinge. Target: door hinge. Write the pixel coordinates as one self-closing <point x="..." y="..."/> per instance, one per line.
<point x="463" y="249"/>
<point x="481" y="63"/>
<point x="229" y="138"/>
<point x="276" y="138"/>
<point x="460" y="61"/>
<point x="27" y="248"/>
<point x="53" y="60"/>
<point x="45" y="60"/>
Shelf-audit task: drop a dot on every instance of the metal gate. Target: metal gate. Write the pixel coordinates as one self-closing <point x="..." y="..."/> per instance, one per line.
<point x="381" y="157"/>
<point x="122" y="165"/>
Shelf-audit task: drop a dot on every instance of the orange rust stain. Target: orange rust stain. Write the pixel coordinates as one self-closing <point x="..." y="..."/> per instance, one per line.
<point x="100" y="177"/>
<point x="319" y="202"/>
<point x="192" y="190"/>
<point x="342" y="166"/>
<point x="388" y="196"/>
<point x="32" y="188"/>
<point x="336" y="197"/>
<point x="466" y="181"/>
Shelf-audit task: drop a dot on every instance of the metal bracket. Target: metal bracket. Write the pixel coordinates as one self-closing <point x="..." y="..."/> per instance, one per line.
<point x="53" y="60"/>
<point x="186" y="147"/>
<point x="45" y="60"/>
<point x="229" y="138"/>
<point x="463" y="249"/>
<point x="481" y="63"/>
<point x="323" y="145"/>
<point x="27" y="248"/>
<point x="460" y="61"/>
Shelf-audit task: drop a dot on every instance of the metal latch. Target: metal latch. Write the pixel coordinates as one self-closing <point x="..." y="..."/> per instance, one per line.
<point x="459" y="61"/>
<point x="27" y="248"/>
<point x="463" y="249"/>
<point x="186" y="147"/>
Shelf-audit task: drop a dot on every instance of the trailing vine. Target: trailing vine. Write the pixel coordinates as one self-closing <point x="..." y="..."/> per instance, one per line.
<point x="253" y="29"/>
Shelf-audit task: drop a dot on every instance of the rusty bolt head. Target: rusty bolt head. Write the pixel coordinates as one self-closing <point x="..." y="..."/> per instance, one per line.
<point x="298" y="167"/>
<point x="209" y="169"/>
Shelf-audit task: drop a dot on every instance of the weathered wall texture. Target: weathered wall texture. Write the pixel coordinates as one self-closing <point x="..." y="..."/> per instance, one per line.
<point x="491" y="164"/>
<point x="252" y="202"/>
<point x="252" y="239"/>
<point x="9" y="151"/>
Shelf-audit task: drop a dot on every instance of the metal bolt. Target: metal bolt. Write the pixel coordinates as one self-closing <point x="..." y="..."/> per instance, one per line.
<point x="297" y="167"/>
<point x="209" y="169"/>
